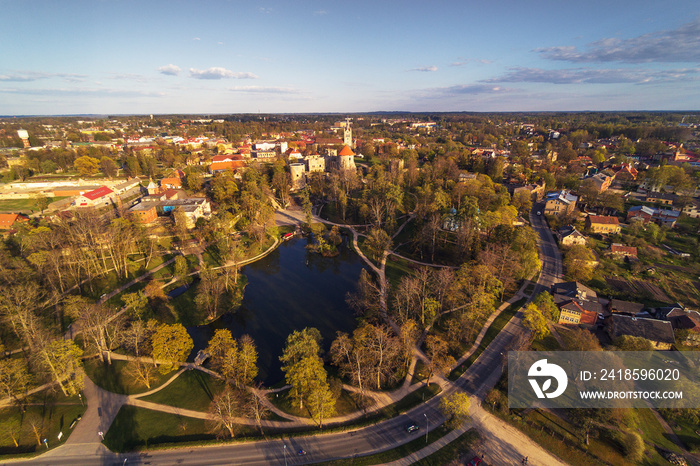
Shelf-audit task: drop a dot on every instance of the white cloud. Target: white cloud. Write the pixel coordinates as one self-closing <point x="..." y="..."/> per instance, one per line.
<point x="320" y="12"/>
<point x="26" y="76"/>
<point x="595" y="76"/>
<point x="170" y="70"/>
<point x="676" y="45"/>
<point x="264" y="90"/>
<point x="196" y="38"/>
<point x="425" y="68"/>
<point x="220" y="73"/>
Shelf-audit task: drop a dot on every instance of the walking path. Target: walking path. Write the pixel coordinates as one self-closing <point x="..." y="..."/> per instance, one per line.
<point x="507" y="449"/>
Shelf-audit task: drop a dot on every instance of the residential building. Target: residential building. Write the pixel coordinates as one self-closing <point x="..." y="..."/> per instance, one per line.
<point x="692" y="210"/>
<point x="658" y="332"/>
<point x="560" y="203"/>
<point x="620" y="250"/>
<point x="602" y="181"/>
<point x="536" y="191"/>
<point x="664" y="217"/>
<point x="646" y="214"/>
<point x="575" y="313"/>
<point x="660" y="198"/>
<point x="625" y="173"/>
<point x="8" y="221"/>
<point x="264" y="155"/>
<point x="569" y="236"/>
<point x="604" y="224"/>
<point x="617" y="306"/>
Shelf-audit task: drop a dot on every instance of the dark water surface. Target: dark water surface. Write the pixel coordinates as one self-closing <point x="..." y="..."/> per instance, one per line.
<point x="288" y="290"/>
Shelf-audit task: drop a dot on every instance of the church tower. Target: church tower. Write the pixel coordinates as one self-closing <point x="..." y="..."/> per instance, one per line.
<point x="347" y="134"/>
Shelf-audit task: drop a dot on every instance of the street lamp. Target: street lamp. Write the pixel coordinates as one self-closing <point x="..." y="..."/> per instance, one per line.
<point x="285" y="454"/>
<point x="426" y="428"/>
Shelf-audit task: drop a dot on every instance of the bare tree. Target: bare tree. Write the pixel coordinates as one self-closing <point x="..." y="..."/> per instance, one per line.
<point x="223" y="412"/>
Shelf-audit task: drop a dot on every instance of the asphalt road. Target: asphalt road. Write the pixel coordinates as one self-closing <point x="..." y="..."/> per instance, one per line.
<point x="477" y="380"/>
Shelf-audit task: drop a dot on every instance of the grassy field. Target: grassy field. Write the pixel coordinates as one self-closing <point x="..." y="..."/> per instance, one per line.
<point x="112" y="377"/>
<point x="193" y="390"/>
<point x="493" y="330"/>
<point x="46" y="415"/>
<point x="23" y="205"/>
<point x="345" y="404"/>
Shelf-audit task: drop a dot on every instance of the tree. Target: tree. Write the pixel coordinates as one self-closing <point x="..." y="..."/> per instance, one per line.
<point x="376" y="243"/>
<point x="210" y="292"/>
<point x="171" y="344"/>
<point x="14" y="378"/>
<point x="437" y="350"/>
<point x="321" y="403"/>
<point x="108" y="167"/>
<point x="545" y="303"/>
<point x="144" y="374"/>
<point x="60" y="359"/>
<point x="631" y="343"/>
<point x="224" y="411"/>
<point x="535" y="321"/>
<point x="219" y="345"/>
<point x="247" y="367"/>
<point x="580" y="339"/>
<point x="455" y="408"/>
<point x="577" y="262"/>
<point x="86" y="165"/>
<point x="302" y="364"/>
<point x="42" y="202"/>
<point x="256" y="408"/>
<point x="17" y="303"/>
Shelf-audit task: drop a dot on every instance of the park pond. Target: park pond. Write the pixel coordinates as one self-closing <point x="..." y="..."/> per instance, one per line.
<point x="290" y="289"/>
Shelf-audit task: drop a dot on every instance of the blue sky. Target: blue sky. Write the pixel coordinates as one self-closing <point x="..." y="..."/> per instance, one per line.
<point x="121" y="56"/>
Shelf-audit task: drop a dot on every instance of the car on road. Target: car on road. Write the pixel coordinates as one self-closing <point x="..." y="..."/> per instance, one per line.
<point x="301" y="452"/>
<point x="411" y="428"/>
<point x="539" y="212"/>
<point x="474" y="461"/>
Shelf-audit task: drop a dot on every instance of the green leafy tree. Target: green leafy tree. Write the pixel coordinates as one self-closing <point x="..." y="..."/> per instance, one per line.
<point x="86" y="165"/>
<point x="14" y="378"/>
<point x="60" y="359"/>
<point x="376" y="243"/>
<point x="545" y="303"/>
<point x="534" y="320"/>
<point x="455" y="408"/>
<point x="171" y="344"/>
<point x="108" y="167"/>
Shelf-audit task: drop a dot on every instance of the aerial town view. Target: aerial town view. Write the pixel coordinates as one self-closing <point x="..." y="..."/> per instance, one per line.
<point x="349" y="233"/>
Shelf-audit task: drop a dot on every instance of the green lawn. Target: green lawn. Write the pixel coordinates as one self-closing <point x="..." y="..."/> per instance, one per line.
<point x="493" y="330"/>
<point x="396" y="269"/>
<point x="49" y="413"/>
<point x="22" y="205"/>
<point x="138" y="427"/>
<point x="191" y="390"/>
<point x="112" y="377"/>
<point x="345" y="404"/>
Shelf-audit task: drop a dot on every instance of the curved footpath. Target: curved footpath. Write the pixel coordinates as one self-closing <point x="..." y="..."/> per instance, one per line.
<point x="503" y="444"/>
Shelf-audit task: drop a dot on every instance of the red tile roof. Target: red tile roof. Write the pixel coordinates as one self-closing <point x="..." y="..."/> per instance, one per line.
<point x="604" y="219"/>
<point x="346" y="151"/>
<point x="621" y="249"/>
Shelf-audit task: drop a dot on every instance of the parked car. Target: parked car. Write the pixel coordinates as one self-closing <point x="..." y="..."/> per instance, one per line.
<point x="411" y="428"/>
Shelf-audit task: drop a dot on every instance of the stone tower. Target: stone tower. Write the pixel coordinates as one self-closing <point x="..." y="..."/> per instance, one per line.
<point x="298" y="175"/>
<point x="347" y="133"/>
<point x="346" y="159"/>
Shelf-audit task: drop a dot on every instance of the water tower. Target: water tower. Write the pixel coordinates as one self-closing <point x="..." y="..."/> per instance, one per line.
<point x="24" y="136"/>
